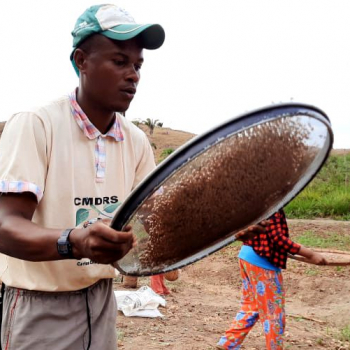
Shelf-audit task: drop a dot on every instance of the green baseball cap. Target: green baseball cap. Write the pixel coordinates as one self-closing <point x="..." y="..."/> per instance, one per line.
<point x="117" y="24"/>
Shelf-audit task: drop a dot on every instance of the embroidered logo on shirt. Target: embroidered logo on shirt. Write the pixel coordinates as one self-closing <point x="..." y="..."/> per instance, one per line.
<point x="104" y="207"/>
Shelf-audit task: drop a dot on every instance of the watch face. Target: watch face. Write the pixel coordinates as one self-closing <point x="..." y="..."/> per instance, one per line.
<point x="63" y="248"/>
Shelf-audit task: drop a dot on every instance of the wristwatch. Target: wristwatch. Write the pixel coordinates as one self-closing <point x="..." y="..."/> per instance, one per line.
<point x="64" y="247"/>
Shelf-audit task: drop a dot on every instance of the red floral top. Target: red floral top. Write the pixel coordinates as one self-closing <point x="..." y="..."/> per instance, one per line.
<point x="274" y="244"/>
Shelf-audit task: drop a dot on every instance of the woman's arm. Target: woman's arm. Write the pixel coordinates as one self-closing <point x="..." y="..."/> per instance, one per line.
<point x="312" y="256"/>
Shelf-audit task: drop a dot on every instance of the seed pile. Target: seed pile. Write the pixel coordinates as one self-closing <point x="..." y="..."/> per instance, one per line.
<point x="224" y="189"/>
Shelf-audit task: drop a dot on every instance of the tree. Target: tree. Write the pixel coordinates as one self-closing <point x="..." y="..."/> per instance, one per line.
<point x="136" y="122"/>
<point x="151" y="124"/>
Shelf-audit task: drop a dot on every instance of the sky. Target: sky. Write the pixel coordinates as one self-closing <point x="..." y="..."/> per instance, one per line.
<point x="220" y="58"/>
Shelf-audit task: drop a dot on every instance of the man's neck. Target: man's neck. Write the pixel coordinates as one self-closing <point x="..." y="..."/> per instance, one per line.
<point x="102" y="120"/>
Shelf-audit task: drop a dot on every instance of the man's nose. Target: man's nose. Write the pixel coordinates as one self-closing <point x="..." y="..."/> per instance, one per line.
<point x="133" y="74"/>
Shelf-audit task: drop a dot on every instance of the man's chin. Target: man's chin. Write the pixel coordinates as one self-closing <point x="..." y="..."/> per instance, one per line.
<point x="121" y="109"/>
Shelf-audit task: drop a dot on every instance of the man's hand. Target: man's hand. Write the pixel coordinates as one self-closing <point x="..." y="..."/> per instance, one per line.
<point x="251" y="231"/>
<point x="23" y="239"/>
<point x="101" y="243"/>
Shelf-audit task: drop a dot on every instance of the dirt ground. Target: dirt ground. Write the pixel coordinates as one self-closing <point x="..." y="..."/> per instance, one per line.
<point x="204" y="300"/>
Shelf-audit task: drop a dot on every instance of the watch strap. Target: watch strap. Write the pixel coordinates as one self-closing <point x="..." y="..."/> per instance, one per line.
<point x="64" y="247"/>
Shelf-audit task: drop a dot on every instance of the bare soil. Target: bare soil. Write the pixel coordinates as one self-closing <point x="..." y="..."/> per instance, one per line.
<point x="205" y="298"/>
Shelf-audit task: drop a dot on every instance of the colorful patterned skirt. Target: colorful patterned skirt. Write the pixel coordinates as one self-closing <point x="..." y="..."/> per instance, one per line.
<point x="263" y="298"/>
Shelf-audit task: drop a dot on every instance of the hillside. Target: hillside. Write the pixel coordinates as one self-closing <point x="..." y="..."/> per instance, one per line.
<point x="328" y="194"/>
<point x="165" y="138"/>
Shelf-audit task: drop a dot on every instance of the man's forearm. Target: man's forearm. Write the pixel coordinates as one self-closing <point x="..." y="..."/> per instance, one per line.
<point x="22" y="239"/>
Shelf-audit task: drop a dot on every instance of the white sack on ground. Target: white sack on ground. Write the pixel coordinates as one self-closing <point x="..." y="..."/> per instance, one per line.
<point x="142" y="303"/>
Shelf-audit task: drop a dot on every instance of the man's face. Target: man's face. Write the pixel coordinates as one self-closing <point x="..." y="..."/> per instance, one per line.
<point x="111" y="73"/>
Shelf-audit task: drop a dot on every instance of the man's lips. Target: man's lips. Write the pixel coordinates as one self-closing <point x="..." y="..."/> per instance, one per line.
<point x="129" y="91"/>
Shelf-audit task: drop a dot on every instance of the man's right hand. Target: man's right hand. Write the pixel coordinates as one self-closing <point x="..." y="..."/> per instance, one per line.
<point x="23" y="239"/>
<point x="101" y="243"/>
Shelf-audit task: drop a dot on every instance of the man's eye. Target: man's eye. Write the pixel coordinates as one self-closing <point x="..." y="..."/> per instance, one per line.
<point x="119" y="63"/>
<point x="138" y="67"/>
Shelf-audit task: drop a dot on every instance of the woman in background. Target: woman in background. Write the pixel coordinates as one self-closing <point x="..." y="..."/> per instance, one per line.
<point x="260" y="260"/>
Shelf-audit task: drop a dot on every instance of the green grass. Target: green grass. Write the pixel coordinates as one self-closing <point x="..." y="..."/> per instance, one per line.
<point x="327" y="240"/>
<point x="120" y="335"/>
<point x="320" y="341"/>
<point x="165" y="153"/>
<point x="345" y="333"/>
<point x="312" y="272"/>
<point x="327" y="195"/>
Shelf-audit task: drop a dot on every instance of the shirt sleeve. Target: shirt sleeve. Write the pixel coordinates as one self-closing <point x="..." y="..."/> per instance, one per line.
<point x="23" y="155"/>
<point x="278" y="231"/>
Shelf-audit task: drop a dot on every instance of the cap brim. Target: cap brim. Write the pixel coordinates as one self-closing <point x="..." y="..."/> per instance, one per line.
<point x="152" y="35"/>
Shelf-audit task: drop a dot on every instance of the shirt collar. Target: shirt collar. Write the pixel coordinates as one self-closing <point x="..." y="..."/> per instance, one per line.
<point x="89" y="129"/>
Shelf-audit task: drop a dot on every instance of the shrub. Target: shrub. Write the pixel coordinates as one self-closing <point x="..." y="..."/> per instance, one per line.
<point x="165" y="153"/>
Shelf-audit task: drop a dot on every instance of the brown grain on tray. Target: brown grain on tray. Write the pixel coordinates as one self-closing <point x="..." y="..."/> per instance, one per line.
<point x="225" y="188"/>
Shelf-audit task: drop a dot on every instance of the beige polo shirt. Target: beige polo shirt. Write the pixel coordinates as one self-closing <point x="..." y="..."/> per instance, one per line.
<point x="45" y="152"/>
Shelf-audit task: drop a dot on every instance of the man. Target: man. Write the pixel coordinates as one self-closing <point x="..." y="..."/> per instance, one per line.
<point x="60" y="165"/>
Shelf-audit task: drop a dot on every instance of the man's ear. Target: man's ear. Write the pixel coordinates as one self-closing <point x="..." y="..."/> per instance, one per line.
<point x="80" y="59"/>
